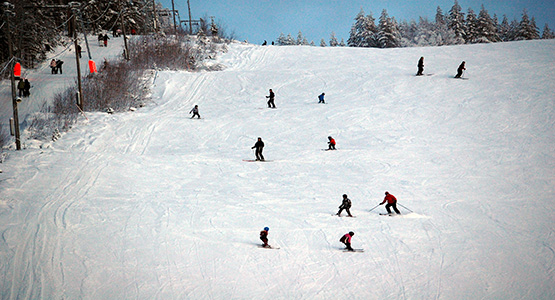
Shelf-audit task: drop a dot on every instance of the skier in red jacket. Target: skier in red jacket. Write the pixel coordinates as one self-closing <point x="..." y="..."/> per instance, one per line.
<point x="331" y="143"/>
<point x="264" y="236"/>
<point x="391" y="202"/>
<point x="346" y="239"/>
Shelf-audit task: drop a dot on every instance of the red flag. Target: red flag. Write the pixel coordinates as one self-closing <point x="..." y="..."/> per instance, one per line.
<point x="92" y="66"/>
<point x="17" y="70"/>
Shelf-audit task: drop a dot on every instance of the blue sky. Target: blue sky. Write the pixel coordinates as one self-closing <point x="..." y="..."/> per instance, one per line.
<point x="259" y="20"/>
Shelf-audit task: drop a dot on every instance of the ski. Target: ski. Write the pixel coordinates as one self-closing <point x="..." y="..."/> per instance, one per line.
<point x="354" y="250"/>
<point x="344" y="217"/>
<point x="269" y="247"/>
<point x="254" y="160"/>
<point x="391" y="215"/>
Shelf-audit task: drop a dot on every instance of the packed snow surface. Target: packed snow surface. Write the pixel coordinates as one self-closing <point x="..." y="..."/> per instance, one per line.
<point x="154" y="205"/>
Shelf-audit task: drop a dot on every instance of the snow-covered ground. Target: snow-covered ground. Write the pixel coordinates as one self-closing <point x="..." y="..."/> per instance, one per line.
<point x="153" y="205"/>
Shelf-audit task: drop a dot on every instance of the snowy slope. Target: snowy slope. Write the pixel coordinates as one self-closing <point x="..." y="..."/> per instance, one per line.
<point x="154" y="205"/>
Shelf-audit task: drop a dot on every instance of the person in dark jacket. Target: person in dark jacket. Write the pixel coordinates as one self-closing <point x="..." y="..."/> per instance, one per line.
<point x="259" y="145"/>
<point x="331" y="143"/>
<point x="195" y="112"/>
<point x="105" y="39"/>
<point x="345" y="205"/>
<point x="321" y="98"/>
<point x="53" y="66"/>
<point x="21" y="87"/>
<point x="27" y="88"/>
<point x="391" y="202"/>
<point x="59" y="64"/>
<point x="271" y="99"/>
<point x="264" y="237"/>
<point x="460" y="70"/>
<point x="346" y="239"/>
<point x="420" y="66"/>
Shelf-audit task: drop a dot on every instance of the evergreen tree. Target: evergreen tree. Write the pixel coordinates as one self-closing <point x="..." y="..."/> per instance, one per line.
<point x="504" y="29"/>
<point x="333" y="40"/>
<point x="322" y="43"/>
<point x="388" y="32"/>
<point x="363" y="32"/>
<point x="301" y="40"/>
<point x="487" y="29"/>
<point x="456" y="23"/>
<point x="342" y="43"/>
<point x="471" y="33"/>
<point x="547" y="33"/>
<point x="444" y="35"/>
<point x="527" y="29"/>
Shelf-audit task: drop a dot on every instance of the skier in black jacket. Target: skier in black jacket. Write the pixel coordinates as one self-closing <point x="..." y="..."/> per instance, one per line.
<point x="258" y="152"/>
<point x="271" y="99"/>
<point x="420" y="66"/>
<point x="345" y="205"/>
<point x="460" y="70"/>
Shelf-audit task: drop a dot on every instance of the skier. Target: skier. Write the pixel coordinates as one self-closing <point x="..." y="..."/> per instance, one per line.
<point x="100" y="38"/>
<point x="391" y="202"/>
<point x="265" y="43"/>
<point x="460" y="70"/>
<point x="346" y="239"/>
<point x="195" y="112"/>
<point x="264" y="236"/>
<point x="345" y="205"/>
<point x="59" y="64"/>
<point x="259" y="145"/>
<point x="321" y="98"/>
<point x="21" y="87"/>
<point x="53" y="66"/>
<point x="105" y="38"/>
<point x="331" y="143"/>
<point x="420" y="66"/>
<point x="27" y="88"/>
<point x="271" y="100"/>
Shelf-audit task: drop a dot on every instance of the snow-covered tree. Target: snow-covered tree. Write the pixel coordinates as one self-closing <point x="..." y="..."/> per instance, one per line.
<point x="444" y="35"/>
<point x="456" y="22"/>
<point x="363" y="32"/>
<point x="504" y="29"/>
<point x="301" y="40"/>
<point x="288" y="40"/>
<point x="333" y="40"/>
<point x="322" y="43"/>
<point x="527" y="29"/>
<point x="388" y="32"/>
<point x="486" y="26"/>
<point x="342" y="43"/>
<point x="547" y="33"/>
<point x="471" y="25"/>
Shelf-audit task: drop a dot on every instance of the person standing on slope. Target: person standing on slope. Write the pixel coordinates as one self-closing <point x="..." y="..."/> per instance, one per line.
<point x="460" y="70"/>
<point x="271" y="99"/>
<point x="259" y="146"/>
<point x="321" y="98"/>
<point x="27" y="88"/>
<point x="21" y="87"/>
<point x="195" y="112"/>
<point x="346" y="239"/>
<point x="420" y="66"/>
<point x="345" y="205"/>
<point x="391" y="202"/>
<point x="331" y="143"/>
<point x="264" y="237"/>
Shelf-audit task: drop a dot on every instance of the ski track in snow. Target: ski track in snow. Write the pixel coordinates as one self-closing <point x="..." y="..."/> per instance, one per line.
<point x="153" y="205"/>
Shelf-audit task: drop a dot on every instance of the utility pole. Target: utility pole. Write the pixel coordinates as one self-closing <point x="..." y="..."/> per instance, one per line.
<point x="190" y="21"/>
<point x="173" y="13"/>
<point x="74" y="7"/>
<point x="8" y="13"/>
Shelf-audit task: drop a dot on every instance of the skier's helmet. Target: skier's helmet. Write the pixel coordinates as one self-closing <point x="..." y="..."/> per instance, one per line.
<point x="351" y="233"/>
<point x="344" y="195"/>
<point x="266" y="228"/>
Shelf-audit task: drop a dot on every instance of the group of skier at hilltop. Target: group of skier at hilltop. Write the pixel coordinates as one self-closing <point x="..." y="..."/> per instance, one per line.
<point x="345" y="205"/>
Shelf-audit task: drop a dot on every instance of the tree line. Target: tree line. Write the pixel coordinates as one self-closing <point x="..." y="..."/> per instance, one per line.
<point x="452" y="28"/>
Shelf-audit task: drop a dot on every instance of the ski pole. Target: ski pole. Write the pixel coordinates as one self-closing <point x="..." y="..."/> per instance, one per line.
<point x="404" y="207"/>
<point x="374" y="208"/>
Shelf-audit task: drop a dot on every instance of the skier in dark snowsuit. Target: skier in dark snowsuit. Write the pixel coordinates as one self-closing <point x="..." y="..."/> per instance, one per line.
<point x="59" y="64"/>
<point x="460" y="70"/>
<point x="105" y="39"/>
<point x="195" y="112"/>
<point x="259" y="145"/>
<point x="264" y="236"/>
<point x="345" y="205"/>
<point x="346" y="239"/>
<point x="391" y="202"/>
<point x="420" y="66"/>
<point x="331" y="143"/>
<point x="27" y="88"/>
<point x="21" y="87"/>
<point x="271" y="99"/>
<point x="321" y="98"/>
